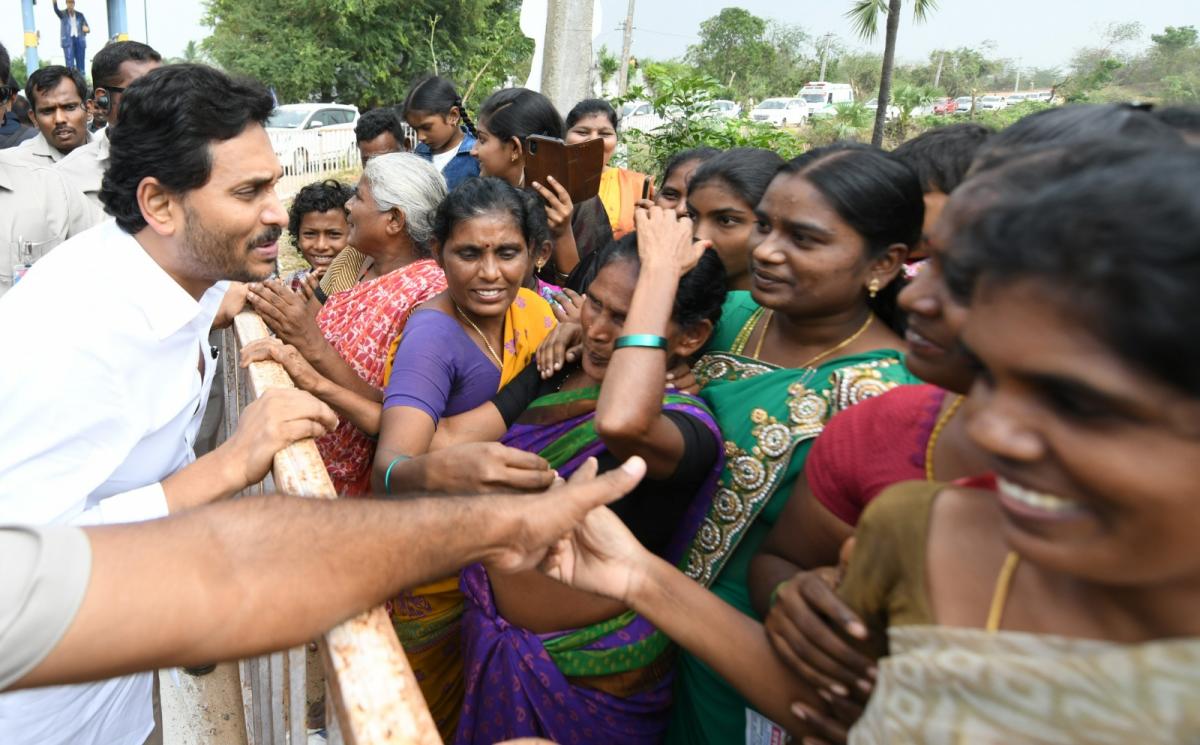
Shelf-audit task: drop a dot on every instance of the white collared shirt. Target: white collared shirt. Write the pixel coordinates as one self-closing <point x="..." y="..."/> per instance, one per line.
<point x="36" y="151"/>
<point x="100" y="400"/>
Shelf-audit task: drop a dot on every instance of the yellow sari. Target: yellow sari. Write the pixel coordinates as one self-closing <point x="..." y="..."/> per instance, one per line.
<point x="427" y="618"/>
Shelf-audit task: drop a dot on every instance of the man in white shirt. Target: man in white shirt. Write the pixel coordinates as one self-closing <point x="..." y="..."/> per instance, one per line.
<point x="107" y="364"/>
<point x="56" y="97"/>
<point x="114" y="68"/>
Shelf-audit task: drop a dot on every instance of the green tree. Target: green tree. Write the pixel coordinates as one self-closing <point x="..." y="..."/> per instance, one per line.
<point x="366" y="51"/>
<point x="607" y="65"/>
<point x="864" y="14"/>
<point x="1175" y="38"/>
<point x="859" y="69"/>
<point x="192" y="54"/>
<point x="733" y="46"/>
<point x="909" y="99"/>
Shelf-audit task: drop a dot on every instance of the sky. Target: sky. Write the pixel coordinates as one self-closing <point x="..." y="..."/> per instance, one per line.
<point x="1039" y="33"/>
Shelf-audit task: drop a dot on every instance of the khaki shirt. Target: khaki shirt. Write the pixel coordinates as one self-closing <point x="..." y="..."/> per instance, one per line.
<point x="38" y="211"/>
<point x="43" y="579"/>
<point x="37" y="151"/>
<point x="83" y="168"/>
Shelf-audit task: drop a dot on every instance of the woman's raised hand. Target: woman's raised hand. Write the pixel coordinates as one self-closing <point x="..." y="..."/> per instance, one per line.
<point x="664" y="236"/>
<point x="289" y="314"/>
<point x="558" y="205"/>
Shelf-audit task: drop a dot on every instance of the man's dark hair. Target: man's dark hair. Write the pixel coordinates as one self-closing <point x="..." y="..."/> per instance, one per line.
<point x="47" y="79"/>
<point x="5" y="65"/>
<point x="1184" y="119"/>
<point x="106" y="65"/>
<point x="321" y="196"/>
<point x="377" y="121"/>
<point x="941" y="157"/>
<point x="169" y="118"/>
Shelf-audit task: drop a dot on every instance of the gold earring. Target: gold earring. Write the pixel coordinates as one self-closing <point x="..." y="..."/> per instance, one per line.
<point x="873" y="288"/>
<point x="539" y="264"/>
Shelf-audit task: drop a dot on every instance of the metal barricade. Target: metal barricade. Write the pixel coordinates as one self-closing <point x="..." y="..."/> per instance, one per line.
<point x="372" y="697"/>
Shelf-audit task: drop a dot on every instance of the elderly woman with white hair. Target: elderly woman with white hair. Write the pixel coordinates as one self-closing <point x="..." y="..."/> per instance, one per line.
<point x="340" y="354"/>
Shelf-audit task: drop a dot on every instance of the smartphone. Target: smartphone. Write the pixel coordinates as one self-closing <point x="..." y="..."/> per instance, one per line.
<point x="577" y="167"/>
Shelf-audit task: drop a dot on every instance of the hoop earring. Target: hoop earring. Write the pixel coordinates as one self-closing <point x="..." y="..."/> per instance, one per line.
<point x="873" y="288"/>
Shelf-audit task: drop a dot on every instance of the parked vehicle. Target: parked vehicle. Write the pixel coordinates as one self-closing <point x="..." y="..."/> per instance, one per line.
<point x="820" y="97"/>
<point x="1017" y="98"/>
<point x="962" y="105"/>
<point x="725" y="109"/>
<point x="303" y="133"/>
<point x="780" y="111"/>
<point x="991" y="103"/>
<point x="1043" y="96"/>
<point x="893" y="111"/>
<point x="945" y="106"/>
<point x="640" y="115"/>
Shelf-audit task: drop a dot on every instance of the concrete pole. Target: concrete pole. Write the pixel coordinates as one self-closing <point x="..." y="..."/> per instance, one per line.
<point x="31" y="36"/>
<point x="626" y="48"/>
<point x="568" y="62"/>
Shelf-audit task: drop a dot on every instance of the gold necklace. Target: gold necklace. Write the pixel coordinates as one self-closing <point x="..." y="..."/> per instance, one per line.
<point x="941" y="423"/>
<point x="844" y="343"/>
<point x="766" y="325"/>
<point x="491" y="350"/>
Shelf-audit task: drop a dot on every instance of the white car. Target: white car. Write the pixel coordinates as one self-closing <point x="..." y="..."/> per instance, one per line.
<point x="780" y="111"/>
<point x="991" y="103"/>
<point x="725" y="109"/>
<point x="964" y="105"/>
<point x="304" y="135"/>
<point x="872" y="106"/>
<point x="640" y="115"/>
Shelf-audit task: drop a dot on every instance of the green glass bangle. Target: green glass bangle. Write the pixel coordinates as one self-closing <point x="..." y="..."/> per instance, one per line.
<point x="775" y="594"/>
<point x="387" y="475"/>
<point x="648" y="341"/>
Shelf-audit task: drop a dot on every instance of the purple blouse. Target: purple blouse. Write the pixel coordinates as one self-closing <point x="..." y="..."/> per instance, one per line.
<point x="438" y="369"/>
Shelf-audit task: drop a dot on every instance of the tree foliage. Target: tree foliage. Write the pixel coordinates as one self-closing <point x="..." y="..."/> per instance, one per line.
<point x="366" y="52"/>
<point x="751" y="57"/>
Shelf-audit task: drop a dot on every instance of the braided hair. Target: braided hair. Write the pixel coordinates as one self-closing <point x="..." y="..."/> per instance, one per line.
<point x="437" y="95"/>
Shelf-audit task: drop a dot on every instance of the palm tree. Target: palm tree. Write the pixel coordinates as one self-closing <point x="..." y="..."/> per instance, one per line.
<point x="864" y="14"/>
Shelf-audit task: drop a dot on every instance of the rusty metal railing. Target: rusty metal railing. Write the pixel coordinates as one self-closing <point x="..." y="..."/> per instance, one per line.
<point x="372" y="697"/>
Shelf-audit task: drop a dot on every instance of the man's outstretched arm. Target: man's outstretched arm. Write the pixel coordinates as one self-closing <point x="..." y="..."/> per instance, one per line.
<point x="241" y="578"/>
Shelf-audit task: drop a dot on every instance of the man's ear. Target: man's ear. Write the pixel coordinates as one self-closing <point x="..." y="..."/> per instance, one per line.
<point x="160" y="208"/>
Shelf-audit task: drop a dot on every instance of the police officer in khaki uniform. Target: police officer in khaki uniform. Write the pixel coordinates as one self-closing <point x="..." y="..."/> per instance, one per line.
<point x="114" y="68"/>
<point x="56" y="96"/>
<point x="38" y="211"/>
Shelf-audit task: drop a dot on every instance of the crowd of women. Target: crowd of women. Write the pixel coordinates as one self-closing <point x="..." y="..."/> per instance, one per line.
<point x="919" y="426"/>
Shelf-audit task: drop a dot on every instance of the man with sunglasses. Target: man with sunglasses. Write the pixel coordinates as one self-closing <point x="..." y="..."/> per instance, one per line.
<point x="114" y="68"/>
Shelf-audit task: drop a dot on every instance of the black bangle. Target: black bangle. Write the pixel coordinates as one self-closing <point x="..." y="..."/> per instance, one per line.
<point x="320" y="295"/>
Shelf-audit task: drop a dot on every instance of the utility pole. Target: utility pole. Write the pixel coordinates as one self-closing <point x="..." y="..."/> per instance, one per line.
<point x="937" y="76"/>
<point x="1017" y="83"/>
<point x="626" y="47"/>
<point x="826" y="42"/>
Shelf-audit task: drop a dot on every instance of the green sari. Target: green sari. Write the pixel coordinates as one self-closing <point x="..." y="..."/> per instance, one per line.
<point x="769" y="417"/>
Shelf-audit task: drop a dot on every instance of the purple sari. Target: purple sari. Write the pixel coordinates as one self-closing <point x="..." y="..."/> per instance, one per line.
<point x="522" y="684"/>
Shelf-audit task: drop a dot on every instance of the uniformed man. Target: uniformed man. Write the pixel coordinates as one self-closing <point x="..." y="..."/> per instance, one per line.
<point x="38" y="210"/>
<point x="114" y="68"/>
<point x="56" y="95"/>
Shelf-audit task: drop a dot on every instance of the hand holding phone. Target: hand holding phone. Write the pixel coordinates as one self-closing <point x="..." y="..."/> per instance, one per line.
<point x="577" y="168"/>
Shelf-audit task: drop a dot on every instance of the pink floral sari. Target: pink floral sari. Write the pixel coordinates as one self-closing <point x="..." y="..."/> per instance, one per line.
<point x="361" y="324"/>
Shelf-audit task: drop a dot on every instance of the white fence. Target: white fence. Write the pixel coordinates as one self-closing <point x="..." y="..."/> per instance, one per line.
<point x="313" y="154"/>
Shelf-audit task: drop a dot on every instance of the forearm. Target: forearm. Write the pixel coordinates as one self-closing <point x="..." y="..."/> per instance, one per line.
<point x="566" y="252"/>
<point x="767" y="570"/>
<point x="234" y="580"/>
<point x="733" y="644"/>
<point x="330" y="364"/>
<point x="631" y="397"/>
<point x="362" y="412"/>
<point x="212" y="477"/>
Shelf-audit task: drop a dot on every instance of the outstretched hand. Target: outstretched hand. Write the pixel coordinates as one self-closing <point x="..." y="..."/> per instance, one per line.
<point x="545" y="518"/>
<point x="600" y="555"/>
<point x="289" y="314"/>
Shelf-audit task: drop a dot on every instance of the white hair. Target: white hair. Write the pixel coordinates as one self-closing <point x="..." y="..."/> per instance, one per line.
<point x="410" y="184"/>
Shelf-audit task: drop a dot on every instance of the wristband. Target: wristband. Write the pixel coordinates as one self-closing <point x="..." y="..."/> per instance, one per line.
<point x="647" y="341"/>
<point x="775" y="594"/>
<point x="387" y="475"/>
